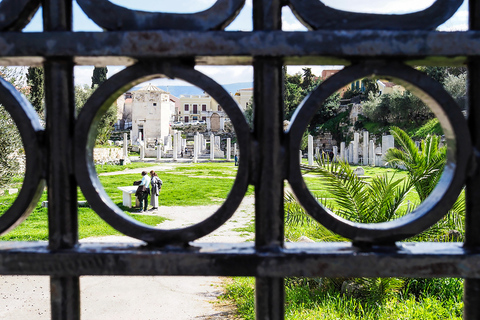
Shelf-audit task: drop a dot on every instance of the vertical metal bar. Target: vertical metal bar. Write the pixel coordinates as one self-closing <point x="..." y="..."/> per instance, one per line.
<point x="471" y="291"/>
<point x="268" y="130"/>
<point x="62" y="188"/>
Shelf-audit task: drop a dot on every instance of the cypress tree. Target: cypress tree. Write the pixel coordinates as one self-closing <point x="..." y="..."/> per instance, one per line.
<point x="35" y="79"/>
<point x="99" y="76"/>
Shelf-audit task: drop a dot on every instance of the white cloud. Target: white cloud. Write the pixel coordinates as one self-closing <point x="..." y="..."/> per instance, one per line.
<point x="83" y="75"/>
<point x="379" y="6"/>
<point x="228" y="74"/>
<point x="290" y="22"/>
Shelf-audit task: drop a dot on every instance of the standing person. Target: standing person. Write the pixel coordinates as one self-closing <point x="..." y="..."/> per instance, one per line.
<point x="156" y="186"/>
<point x="143" y="196"/>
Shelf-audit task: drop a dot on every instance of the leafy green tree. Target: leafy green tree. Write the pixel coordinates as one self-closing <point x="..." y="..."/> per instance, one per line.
<point x="99" y="76"/>
<point x="35" y="79"/>
<point x="397" y="107"/>
<point x="11" y="147"/>
<point x="329" y="109"/>
<point x="105" y="126"/>
<point x="297" y="87"/>
<point x="371" y="87"/>
<point x="309" y="80"/>
<point x="456" y="85"/>
<point x="249" y="112"/>
<point x="437" y="73"/>
<point x="293" y="93"/>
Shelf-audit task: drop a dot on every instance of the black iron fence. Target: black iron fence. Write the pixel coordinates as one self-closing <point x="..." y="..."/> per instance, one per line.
<point x="150" y="44"/>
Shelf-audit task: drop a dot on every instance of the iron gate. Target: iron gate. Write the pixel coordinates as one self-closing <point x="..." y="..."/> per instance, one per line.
<point x="60" y="153"/>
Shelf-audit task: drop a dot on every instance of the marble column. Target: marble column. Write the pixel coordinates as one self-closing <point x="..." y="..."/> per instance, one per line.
<point x="175" y="145"/>
<point x="125" y="146"/>
<point x="342" y="151"/>
<point x="229" y="149"/>
<point x="212" y="147"/>
<point x="371" y="153"/>
<point x="310" y="150"/>
<point x="356" y="140"/>
<point x="365" y="148"/>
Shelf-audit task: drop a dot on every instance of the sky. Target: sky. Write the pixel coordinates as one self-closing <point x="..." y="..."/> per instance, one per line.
<point x="234" y="74"/>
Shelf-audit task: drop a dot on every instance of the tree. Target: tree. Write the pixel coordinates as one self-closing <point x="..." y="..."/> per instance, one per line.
<point x="456" y="86"/>
<point x="297" y="87"/>
<point x="397" y="107"/>
<point x="35" y="79"/>
<point x="327" y="111"/>
<point x="105" y="126"/>
<point x="249" y="112"/>
<point x="371" y="86"/>
<point x="293" y="93"/>
<point x="309" y="80"/>
<point x="11" y="147"/>
<point x="437" y="73"/>
<point x="99" y="76"/>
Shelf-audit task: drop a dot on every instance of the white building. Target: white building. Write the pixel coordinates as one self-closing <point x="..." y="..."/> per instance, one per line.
<point x="152" y="110"/>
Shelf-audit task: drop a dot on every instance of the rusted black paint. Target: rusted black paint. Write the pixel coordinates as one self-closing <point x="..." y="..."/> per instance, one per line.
<point x="227" y="48"/>
<point x="171" y="45"/>
<point x="317" y="15"/>
<point x="113" y="18"/>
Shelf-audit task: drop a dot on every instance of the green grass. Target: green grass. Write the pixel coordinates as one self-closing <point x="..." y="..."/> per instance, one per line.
<point x="182" y="186"/>
<point x="306" y="299"/>
<point x="114" y="168"/>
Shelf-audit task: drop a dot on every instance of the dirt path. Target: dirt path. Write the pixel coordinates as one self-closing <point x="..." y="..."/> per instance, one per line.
<point x="132" y="298"/>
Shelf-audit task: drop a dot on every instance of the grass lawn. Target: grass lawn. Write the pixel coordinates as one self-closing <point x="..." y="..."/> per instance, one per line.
<point x="182" y="186"/>
<point x="306" y="301"/>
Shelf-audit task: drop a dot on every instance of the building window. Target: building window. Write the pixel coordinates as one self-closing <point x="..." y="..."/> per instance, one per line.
<point x="195" y="118"/>
<point x="204" y="107"/>
<point x="154" y="104"/>
<point x="204" y="118"/>
<point x="186" y="119"/>
<point x="219" y="108"/>
<point x="186" y="107"/>
<point x="195" y="108"/>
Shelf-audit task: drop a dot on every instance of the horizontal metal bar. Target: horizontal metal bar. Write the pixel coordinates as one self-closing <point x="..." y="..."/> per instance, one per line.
<point x="318" y="47"/>
<point x="305" y="260"/>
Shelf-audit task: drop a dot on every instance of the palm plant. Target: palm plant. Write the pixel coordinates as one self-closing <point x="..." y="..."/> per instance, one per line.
<point x="380" y="199"/>
<point x="424" y="165"/>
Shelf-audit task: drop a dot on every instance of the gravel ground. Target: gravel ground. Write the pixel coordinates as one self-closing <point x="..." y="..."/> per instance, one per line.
<point x="132" y="298"/>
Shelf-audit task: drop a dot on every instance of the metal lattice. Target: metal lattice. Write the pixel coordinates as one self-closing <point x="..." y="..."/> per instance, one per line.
<point x="153" y="44"/>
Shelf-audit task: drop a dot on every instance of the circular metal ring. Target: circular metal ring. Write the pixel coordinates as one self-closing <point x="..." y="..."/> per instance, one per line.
<point x="316" y="15"/>
<point x="114" y="18"/>
<point x="16" y="14"/>
<point x="30" y="129"/>
<point x="85" y="134"/>
<point x="443" y="196"/>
